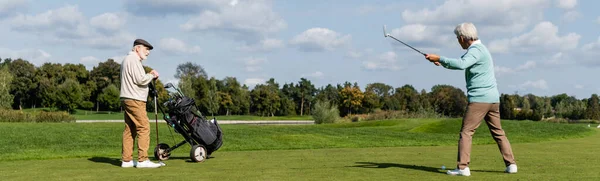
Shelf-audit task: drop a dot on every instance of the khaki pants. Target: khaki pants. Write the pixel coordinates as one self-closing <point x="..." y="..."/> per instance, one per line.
<point x="136" y="124"/>
<point x="475" y="113"/>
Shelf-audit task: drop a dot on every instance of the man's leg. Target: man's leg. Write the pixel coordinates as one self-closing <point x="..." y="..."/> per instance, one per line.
<point x="471" y="121"/>
<point x="142" y="127"/>
<point x="493" y="121"/>
<point x="129" y="135"/>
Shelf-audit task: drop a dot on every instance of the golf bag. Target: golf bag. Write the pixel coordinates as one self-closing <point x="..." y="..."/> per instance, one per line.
<point x="205" y="132"/>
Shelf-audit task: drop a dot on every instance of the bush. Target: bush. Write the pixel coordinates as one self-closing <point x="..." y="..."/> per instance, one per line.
<point x="325" y="112"/>
<point x="382" y="115"/>
<point x="54" y="117"/>
<point x="7" y="115"/>
<point x="43" y="116"/>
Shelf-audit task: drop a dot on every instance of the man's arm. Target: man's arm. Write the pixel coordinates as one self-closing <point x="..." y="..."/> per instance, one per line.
<point x="466" y="61"/>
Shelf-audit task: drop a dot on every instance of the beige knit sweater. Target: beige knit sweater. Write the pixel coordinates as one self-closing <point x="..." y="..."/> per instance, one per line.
<point x="134" y="80"/>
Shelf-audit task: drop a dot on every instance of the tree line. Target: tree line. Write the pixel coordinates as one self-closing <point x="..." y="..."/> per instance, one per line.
<point x="70" y="87"/>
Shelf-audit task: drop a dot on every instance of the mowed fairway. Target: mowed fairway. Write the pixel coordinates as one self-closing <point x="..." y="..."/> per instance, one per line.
<point x="378" y="150"/>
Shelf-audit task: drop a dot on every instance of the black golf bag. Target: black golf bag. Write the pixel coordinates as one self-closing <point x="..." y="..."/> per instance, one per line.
<point x="206" y="132"/>
<point x="205" y="136"/>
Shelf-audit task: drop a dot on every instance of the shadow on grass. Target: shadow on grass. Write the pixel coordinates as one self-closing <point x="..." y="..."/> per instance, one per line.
<point x="112" y="161"/>
<point x="117" y="161"/>
<point x="396" y="165"/>
<point x="488" y="171"/>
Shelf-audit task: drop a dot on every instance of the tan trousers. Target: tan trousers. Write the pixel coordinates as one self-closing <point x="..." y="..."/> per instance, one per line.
<point x="136" y="124"/>
<point x="471" y="121"/>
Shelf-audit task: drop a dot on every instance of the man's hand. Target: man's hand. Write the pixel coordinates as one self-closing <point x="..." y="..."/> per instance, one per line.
<point x="433" y="58"/>
<point x="155" y="73"/>
<point x="437" y="63"/>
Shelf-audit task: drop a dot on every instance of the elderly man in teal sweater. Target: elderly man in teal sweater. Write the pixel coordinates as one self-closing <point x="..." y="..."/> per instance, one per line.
<point x="483" y="97"/>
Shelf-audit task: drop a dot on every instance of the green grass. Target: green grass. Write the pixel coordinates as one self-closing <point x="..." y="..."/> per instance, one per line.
<point x="64" y="140"/>
<point x="378" y="150"/>
<point x="109" y="115"/>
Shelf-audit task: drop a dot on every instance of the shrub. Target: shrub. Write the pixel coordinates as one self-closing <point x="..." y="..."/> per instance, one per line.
<point x="382" y="115"/>
<point x="325" y="112"/>
<point x="7" y="115"/>
<point x="54" y="117"/>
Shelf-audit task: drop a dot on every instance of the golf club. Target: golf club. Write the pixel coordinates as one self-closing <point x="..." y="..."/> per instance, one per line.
<point x="385" y="34"/>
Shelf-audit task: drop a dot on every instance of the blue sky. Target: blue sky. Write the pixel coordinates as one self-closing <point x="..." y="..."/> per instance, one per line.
<point x="544" y="47"/>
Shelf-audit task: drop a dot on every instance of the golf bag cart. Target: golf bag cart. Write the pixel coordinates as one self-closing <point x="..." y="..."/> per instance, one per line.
<point x="205" y="136"/>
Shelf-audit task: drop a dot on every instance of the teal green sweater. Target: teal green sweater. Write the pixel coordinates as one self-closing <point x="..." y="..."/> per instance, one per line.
<point x="479" y="73"/>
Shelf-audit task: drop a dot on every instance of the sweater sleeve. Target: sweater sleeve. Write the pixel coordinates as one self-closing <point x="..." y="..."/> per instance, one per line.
<point x="465" y="61"/>
<point x="139" y="76"/>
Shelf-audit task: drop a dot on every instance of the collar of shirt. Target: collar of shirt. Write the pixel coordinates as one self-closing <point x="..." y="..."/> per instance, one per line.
<point x="475" y="42"/>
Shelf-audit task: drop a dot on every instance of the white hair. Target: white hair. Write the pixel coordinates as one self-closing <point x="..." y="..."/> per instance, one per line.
<point x="466" y="30"/>
<point x="134" y="47"/>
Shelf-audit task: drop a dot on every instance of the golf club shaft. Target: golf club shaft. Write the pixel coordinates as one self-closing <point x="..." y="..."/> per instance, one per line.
<point x="407" y="45"/>
<point x="155" y="109"/>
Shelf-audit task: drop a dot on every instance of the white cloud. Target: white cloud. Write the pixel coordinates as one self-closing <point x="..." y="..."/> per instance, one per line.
<point x="249" y="21"/>
<point x="253" y="81"/>
<point x="254" y="64"/>
<point x="176" y="46"/>
<point x="538" y="84"/>
<point x="543" y="38"/>
<point x="320" y="39"/>
<point x="109" y="22"/>
<point x="420" y="35"/>
<point x="570" y="16"/>
<point x="500" y="70"/>
<point x="68" y="25"/>
<point x="578" y="86"/>
<point x="490" y="15"/>
<point x="317" y="74"/>
<point x="181" y="7"/>
<point x="8" y="7"/>
<point x="385" y="61"/>
<point x="354" y="54"/>
<point x="35" y="56"/>
<point x="264" y="45"/>
<point x="89" y="61"/>
<point x="566" y="4"/>
<point x="598" y="20"/>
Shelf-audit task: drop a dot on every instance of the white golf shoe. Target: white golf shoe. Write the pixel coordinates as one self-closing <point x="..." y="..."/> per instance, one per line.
<point x="512" y="168"/>
<point x="148" y="164"/>
<point x="459" y="172"/>
<point x="128" y="164"/>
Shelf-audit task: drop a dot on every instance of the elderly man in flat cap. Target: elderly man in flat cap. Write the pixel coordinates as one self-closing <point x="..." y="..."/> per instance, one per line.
<point x="483" y="97"/>
<point x="134" y="93"/>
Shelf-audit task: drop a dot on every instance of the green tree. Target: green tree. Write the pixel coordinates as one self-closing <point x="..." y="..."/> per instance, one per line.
<point x="69" y="95"/>
<point x="6" y="98"/>
<point x="306" y="92"/>
<point x="351" y="98"/>
<point x="103" y="75"/>
<point x="23" y="87"/>
<point x="109" y="98"/>
<point x="213" y="98"/>
<point x="593" y="108"/>
<point x="448" y="100"/>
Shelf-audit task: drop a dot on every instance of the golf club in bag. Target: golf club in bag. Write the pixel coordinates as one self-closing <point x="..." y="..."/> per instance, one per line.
<point x="385" y="34"/>
<point x="204" y="136"/>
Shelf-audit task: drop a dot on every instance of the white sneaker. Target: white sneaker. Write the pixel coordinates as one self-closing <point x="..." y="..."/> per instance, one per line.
<point x="148" y="164"/>
<point x="128" y="164"/>
<point x="512" y="168"/>
<point x="463" y="172"/>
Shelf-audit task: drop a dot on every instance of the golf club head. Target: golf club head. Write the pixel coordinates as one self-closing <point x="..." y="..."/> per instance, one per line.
<point x="168" y="85"/>
<point x="384" y="32"/>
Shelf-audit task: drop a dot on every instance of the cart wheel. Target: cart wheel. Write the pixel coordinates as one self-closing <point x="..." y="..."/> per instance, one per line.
<point x="198" y="153"/>
<point x="160" y="152"/>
